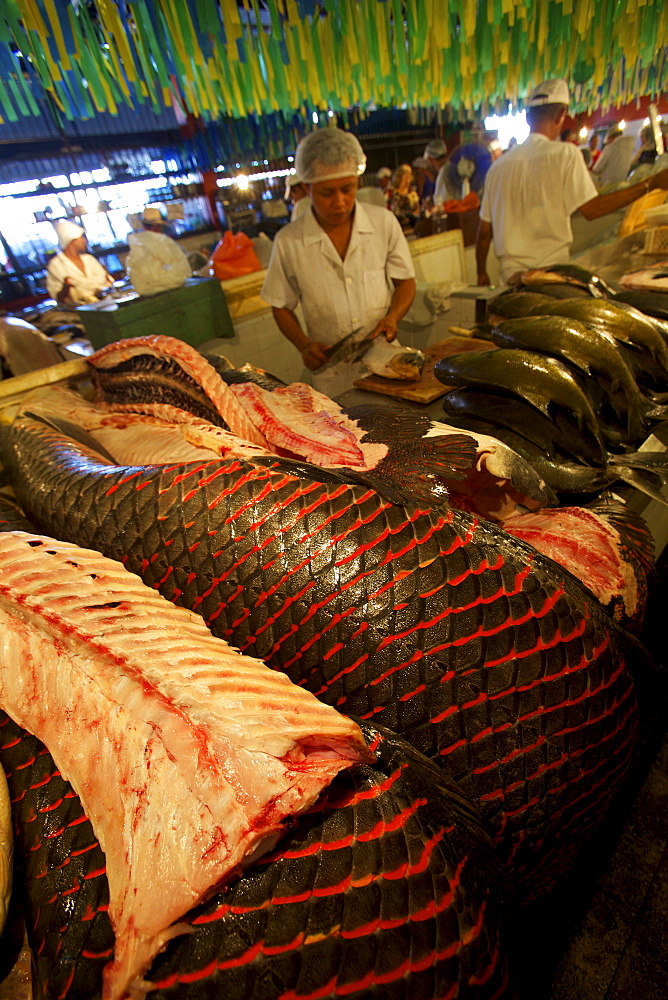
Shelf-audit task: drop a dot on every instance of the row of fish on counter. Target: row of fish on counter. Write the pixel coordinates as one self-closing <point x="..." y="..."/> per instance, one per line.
<point x="297" y="702"/>
<point x="575" y="381"/>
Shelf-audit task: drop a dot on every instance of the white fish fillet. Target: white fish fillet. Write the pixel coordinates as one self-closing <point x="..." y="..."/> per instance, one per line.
<point x="132" y="436"/>
<point x="187" y="755"/>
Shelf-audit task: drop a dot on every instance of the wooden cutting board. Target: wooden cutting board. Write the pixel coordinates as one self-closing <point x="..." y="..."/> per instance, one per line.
<point x="428" y="388"/>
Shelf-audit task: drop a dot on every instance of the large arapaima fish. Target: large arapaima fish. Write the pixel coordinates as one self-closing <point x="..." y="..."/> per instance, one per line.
<point x="486" y="656"/>
<point x="386" y="886"/>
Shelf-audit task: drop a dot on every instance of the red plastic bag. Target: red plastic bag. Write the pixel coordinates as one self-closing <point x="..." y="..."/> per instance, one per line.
<point x="234" y="256"/>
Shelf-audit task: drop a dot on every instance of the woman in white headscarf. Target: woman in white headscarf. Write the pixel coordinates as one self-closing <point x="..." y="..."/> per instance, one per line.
<point x="75" y="276"/>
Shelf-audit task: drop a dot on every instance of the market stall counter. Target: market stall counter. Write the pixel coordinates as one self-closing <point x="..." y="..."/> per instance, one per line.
<point x="195" y="312"/>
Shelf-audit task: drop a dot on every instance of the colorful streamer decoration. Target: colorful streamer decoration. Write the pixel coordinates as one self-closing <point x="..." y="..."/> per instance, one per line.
<point x="238" y="58"/>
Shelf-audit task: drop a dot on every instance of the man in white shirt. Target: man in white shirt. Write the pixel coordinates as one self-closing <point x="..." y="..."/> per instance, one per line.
<point x="613" y="164"/>
<point x="74" y="276"/>
<point x="532" y="191"/>
<point x="346" y="264"/>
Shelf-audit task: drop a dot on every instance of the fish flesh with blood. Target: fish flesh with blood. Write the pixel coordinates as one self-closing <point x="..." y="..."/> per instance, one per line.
<point x="608" y="547"/>
<point x="393" y="361"/>
<point x="389" y="886"/>
<point x="487" y="656"/>
<point x="187" y="756"/>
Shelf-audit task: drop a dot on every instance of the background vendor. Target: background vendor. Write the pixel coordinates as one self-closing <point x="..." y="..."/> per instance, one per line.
<point x="75" y="276"/>
<point x="346" y="263"/>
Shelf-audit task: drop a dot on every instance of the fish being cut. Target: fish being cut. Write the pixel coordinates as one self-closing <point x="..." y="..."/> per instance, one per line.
<point x="394" y="361"/>
<point x="483" y="653"/>
<point x="188" y="757"/>
<point x="388" y="887"/>
<point x="397" y="452"/>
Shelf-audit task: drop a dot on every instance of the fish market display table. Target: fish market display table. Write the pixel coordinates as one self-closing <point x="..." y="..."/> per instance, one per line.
<point x="195" y="312"/>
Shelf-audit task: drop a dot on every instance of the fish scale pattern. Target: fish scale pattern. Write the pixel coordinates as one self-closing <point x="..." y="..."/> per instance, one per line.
<point x="389" y="887"/>
<point x="486" y="656"/>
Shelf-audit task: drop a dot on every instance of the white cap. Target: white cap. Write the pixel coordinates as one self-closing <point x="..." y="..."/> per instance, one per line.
<point x="152" y="215"/>
<point x="383" y="172"/>
<point x="549" y="92"/>
<point x="435" y="148"/>
<point x="327" y="154"/>
<point x="291" y="180"/>
<point x="68" y="231"/>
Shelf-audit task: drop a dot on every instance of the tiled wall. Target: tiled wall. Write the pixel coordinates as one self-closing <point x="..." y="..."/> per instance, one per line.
<point x="258" y="340"/>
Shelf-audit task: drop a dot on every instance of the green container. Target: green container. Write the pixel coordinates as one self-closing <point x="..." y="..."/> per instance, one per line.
<point x="195" y="312"/>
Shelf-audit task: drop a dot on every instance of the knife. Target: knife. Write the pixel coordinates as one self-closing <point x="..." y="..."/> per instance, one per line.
<point x="348" y="349"/>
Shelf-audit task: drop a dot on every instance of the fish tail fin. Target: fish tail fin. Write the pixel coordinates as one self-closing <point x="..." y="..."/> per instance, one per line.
<point x="651" y="482"/>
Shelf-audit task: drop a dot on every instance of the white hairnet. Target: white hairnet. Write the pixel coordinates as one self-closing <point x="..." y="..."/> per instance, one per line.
<point x="68" y="231"/>
<point x="327" y="154"/>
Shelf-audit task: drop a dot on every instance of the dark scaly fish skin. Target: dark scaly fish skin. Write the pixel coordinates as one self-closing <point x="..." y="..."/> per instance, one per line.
<point x="389" y="887"/>
<point x="170" y="384"/>
<point x="12" y="516"/>
<point x="544" y="382"/>
<point x="479" y="651"/>
<point x="594" y="352"/>
<point x="547" y="433"/>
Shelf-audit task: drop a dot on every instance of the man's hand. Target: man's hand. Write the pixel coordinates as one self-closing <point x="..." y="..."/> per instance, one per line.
<point x="314" y="355"/>
<point x="387" y="326"/>
<point x="64" y="293"/>
<point x="483" y="278"/>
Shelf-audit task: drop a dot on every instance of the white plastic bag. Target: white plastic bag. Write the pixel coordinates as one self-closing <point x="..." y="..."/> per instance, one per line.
<point x="155" y="263"/>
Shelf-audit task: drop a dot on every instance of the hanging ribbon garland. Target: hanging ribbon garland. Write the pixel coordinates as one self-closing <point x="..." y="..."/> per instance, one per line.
<point x="218" y="58"/>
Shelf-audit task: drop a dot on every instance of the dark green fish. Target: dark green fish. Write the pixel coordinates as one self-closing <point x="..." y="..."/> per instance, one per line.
<point x="545" y="383"/>
<point x="650" y="303"/>
<point x="627" y="325"/>
<point x="590" y="349"/>
<point x="559" y="290"/>
<point x="549" y="434"/>
<point x="646" y="471"/>
<point x="569" y="274"/>
<point x="508" y="305"/>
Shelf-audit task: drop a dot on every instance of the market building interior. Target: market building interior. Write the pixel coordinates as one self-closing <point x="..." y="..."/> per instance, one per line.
<point x="164" y="137"/>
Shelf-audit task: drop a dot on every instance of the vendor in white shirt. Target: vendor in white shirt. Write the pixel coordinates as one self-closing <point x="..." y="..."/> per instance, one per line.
<point x="532" y="191"/>
<point x="74" y="276"/>
<point x="346" y="264"/>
